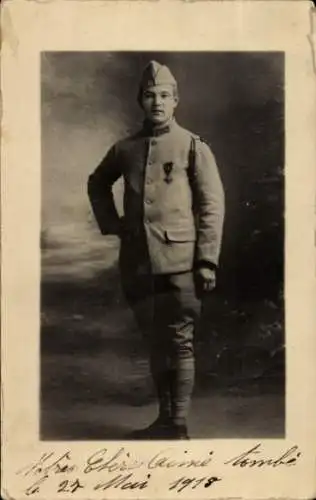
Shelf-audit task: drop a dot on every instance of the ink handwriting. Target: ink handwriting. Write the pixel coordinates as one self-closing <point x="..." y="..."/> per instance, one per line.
<point x="254" y="458"/>
<point x="184" y="482"/>
<point x="60" y="465"/>
<point x="122" y="469"/>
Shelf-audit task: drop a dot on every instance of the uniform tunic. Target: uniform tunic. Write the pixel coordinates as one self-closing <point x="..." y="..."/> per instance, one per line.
<point x="158" y="206"/>
<point x="173" y="221"/>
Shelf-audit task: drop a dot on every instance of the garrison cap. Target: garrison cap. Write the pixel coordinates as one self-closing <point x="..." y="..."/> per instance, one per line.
<point x="156" y="74"/>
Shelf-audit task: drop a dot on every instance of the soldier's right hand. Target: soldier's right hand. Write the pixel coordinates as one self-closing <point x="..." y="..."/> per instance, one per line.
<point x="205" y="279"/>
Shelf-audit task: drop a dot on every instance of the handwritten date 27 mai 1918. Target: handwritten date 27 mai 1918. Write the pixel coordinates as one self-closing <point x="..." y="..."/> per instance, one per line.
<point x="125" y="482"/>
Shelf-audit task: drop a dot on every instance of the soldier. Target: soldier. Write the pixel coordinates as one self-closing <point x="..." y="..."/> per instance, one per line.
<point x="170" y="239"/>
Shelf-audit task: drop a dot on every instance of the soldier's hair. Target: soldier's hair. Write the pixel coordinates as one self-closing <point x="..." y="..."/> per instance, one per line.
<point x="142" y="89"/>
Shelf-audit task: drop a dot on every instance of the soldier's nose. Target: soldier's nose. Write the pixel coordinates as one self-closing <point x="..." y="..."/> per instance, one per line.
<point x="157" y="100"/>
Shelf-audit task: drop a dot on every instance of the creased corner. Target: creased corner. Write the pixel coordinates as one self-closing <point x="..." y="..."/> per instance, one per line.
<point x="8" y="35"/>
<point x="6" y="495"/>
<point x="312" y="35"/>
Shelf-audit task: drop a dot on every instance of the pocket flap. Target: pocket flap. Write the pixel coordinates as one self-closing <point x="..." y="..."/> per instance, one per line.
<point x="180" y="235"/>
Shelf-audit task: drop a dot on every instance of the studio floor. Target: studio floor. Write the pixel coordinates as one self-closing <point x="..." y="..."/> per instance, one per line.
<point x="95" y="381"/>
<point x="108" y="393"/>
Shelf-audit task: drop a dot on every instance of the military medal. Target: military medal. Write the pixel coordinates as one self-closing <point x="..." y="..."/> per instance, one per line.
<point x="168" y="166"/>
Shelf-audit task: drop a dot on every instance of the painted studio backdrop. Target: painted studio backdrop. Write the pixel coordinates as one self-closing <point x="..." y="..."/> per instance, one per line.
<point x="95" y="382"/>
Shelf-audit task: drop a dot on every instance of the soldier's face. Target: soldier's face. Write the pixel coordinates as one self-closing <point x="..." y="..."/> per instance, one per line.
<point x="159" y="103"/>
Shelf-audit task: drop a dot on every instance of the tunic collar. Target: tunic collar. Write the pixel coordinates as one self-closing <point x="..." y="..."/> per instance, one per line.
<point x="152" y="131"/>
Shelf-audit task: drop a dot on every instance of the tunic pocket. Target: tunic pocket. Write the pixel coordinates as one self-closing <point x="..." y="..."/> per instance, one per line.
<point x="180" y="235"/>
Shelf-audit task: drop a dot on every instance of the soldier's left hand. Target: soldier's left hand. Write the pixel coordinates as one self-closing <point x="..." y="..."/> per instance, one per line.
<point x="205" y="280"/>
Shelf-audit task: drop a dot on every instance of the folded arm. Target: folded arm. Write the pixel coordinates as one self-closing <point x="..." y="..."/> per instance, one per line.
<point x="100" y="184"/>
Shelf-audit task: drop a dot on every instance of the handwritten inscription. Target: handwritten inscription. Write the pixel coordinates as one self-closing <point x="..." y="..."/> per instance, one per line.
<point x="255" y="458"/>
<point x="105" y="470"/>
<point x="184" y="482"/>
<point x="67" y="486"/>
<point x="62" y="464"/>
<point x="121" y="461"/>
<point x="160" y="460"/>
<point x="124" y="482"/>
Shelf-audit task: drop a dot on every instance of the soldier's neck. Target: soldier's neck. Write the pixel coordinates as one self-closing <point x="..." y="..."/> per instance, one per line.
<point x="158" y="128"/>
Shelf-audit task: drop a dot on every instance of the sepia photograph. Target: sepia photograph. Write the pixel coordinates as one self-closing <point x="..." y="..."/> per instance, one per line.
<point x="158" y="250"/>
<point x="162" y="306"/>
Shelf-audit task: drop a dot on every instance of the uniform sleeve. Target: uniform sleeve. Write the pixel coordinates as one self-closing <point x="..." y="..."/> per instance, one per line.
<point x="100" y="193"/>
<point x="209" y="203"/>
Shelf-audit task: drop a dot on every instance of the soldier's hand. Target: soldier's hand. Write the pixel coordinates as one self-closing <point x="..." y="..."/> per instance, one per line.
<point x="205" y="280"/>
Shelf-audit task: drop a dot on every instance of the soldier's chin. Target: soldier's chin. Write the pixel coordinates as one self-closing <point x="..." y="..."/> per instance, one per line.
<point x="158" y="118"/>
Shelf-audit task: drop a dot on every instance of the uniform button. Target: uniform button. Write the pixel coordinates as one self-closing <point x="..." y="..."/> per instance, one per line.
<point x="153" y="142"/>
<point x="149" y="181"/>
<point x="148" y="202"/>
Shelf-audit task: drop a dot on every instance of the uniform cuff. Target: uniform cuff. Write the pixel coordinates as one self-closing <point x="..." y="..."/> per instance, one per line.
<point x="206" y="263"/>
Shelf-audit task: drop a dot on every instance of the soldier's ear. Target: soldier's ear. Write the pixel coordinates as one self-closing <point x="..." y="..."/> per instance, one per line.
<point x="176" y="96"/>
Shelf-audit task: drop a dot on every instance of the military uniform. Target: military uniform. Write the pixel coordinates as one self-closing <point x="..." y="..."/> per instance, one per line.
<point x="172" y="224"/>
